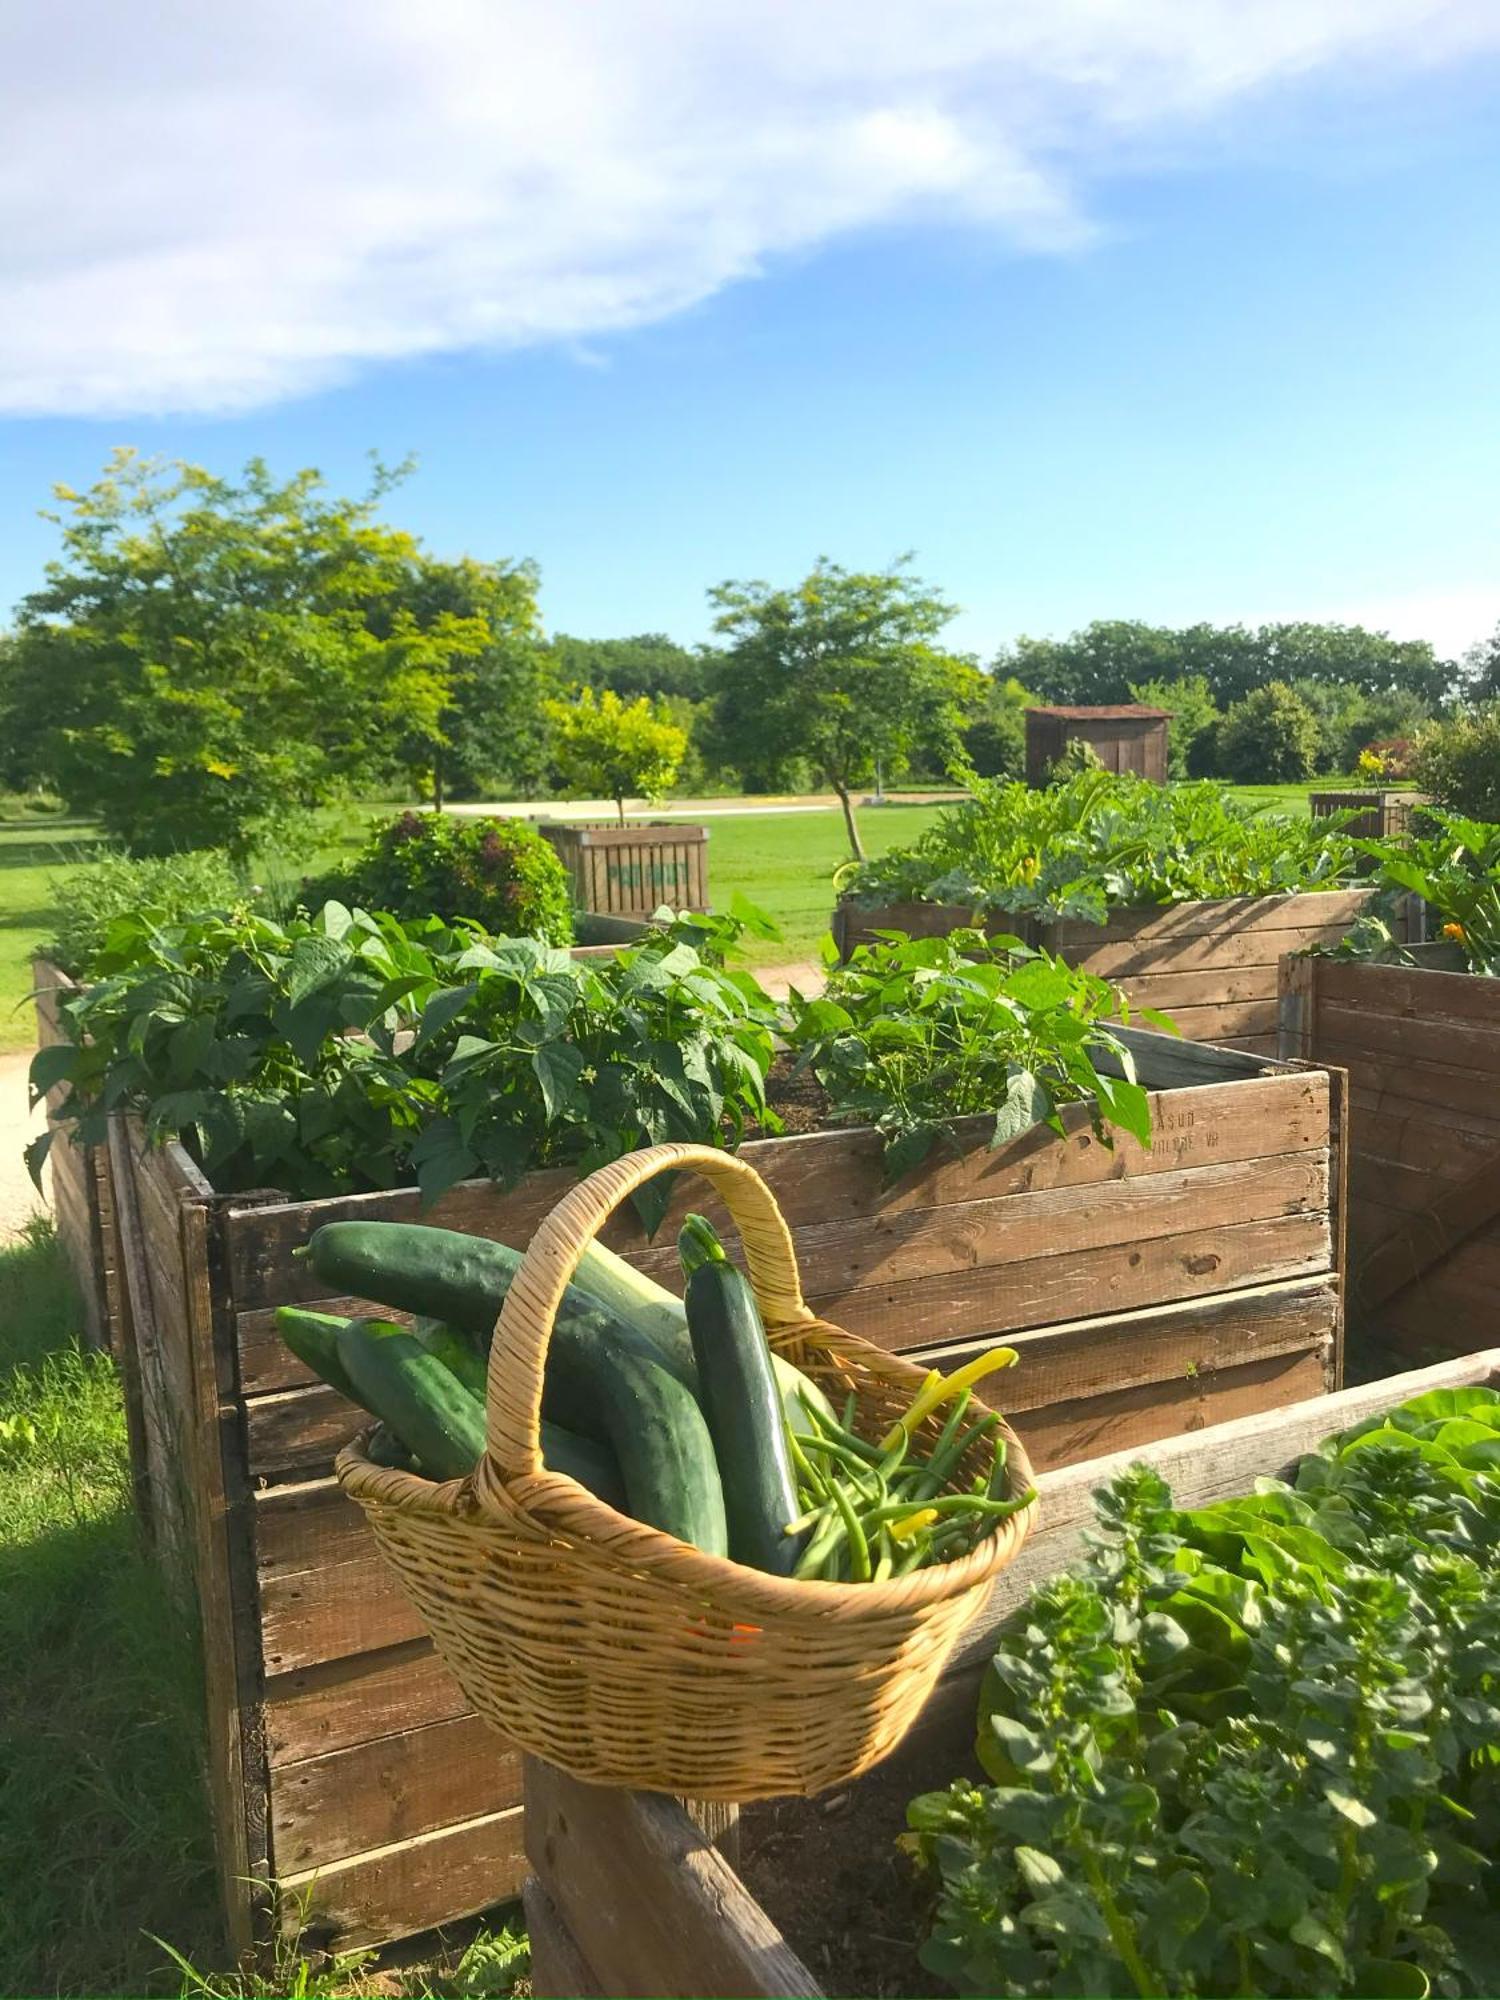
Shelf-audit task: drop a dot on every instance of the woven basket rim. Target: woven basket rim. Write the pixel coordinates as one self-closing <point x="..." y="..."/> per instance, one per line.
<point x="550" y="1500"/>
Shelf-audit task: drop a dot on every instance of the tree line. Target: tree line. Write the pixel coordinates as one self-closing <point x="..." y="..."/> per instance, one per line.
<point x="205" y="655"/>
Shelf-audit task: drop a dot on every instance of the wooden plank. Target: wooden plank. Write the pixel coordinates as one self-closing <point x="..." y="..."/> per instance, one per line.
<point x="1454" y="1213"/>
<point x="644" y="1893"/>
<point x="334" y="1705"/>
<point x="389" y="1789"/>
<point x="413" y="1885"/>
<point x="1396" y="991"/>
<point x="298" y="1430"/>
<point x="1118" y="1279"/>
<point x="559" y="1970"/>
<point x="1408" y="1134"/>
<point x="1200" y="1467"/>
<point x="1255" y="1017"/>
<point x="1205" y="952"/>
<point x="1467" y="1046"/>
<point x="1389" y="1077"/>
<point x="1226" y="916"/>
<point x="1064" y="1433"/>
<point x="828" y="1176"/>
<point x="934" y="1242"/>
<point x="343" y="1609"/>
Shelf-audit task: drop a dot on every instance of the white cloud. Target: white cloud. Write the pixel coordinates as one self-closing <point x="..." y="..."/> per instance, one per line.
<point x="1453" y="619"/>
<point x="207" y="207"/>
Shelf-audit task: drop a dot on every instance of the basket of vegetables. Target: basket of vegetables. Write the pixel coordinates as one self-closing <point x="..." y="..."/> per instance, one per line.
<point x="714" y="1546"/>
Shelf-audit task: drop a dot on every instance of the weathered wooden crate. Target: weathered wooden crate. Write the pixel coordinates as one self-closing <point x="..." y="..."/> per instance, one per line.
<point x="1378" y="815"/>
<point x="632" y="1893"/>
<point x="82" y="1198"/>
<point x="1149" y="1293"/>
<point x="1213" y="966"/>
<point x="630" y="871"/>
<point x="1422" y="1052"/>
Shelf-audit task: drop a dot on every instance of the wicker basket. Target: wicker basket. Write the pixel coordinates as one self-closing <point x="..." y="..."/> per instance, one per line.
<point x="625" y="1656"/>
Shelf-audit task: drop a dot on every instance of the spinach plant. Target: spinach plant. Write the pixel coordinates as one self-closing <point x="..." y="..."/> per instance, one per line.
<point x="1249" y="1749"/>
<point x="1101" y="841"/>
<point x="915" y="1032"/>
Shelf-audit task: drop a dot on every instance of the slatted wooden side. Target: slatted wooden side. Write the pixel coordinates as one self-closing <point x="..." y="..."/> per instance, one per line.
<point x="82" y="1199"/>
<point x="1149" y="1291"/>
<point x="1213" y="967"/>
<point x="1422" y="1053"/>
<point x="634" y="1899"/>
<point x="632" y="870"/>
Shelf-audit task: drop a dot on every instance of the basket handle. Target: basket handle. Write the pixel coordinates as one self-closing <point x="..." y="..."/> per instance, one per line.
<point x="518" y="1354"/>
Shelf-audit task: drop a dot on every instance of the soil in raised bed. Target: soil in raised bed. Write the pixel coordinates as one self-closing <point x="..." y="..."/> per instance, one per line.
<point x="828" y="1872"/>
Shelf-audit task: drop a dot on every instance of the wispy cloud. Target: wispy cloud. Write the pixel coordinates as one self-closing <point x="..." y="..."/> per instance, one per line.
<point x="211" y="207"/>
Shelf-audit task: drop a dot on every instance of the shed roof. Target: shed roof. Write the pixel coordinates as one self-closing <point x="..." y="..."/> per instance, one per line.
<point x="1122" y="712"/>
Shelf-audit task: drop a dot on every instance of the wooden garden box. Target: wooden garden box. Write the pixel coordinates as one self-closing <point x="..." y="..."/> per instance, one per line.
<point x="1150" y="1293"/>
<point x="1422" y="1052"/>
<point x="82" y="1199"/>
<point x="1212" y="966"/>
<point x="636" y="1893"/>
<point x="630" y="871"/>
<point x="1379" y="815"/>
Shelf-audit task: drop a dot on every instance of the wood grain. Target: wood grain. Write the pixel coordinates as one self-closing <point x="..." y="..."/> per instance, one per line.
<point x="413" y="1885"/>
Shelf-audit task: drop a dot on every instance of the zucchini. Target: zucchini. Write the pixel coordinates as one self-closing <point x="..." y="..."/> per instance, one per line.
<point x="604" y="1379"/>
<point x="742" y="1403"/>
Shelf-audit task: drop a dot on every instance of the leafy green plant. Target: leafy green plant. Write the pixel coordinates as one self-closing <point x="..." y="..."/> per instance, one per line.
<point x="499" y="873"/>
<point x="915" y="1032"/>
<point x="1248" y="1749"/>
<point x="167" y="888"/>
<point x="1099" y="842"/>
<point x="1458" y="762"/>
<point x="350" y="1051"/>
<point x="1453" y="864"/>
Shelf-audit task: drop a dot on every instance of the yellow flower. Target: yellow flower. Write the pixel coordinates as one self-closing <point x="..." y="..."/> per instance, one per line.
<point x="1454" y="931"/>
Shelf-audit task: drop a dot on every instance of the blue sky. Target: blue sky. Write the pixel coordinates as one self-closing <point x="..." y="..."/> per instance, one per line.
<point x="1212" y="332"/>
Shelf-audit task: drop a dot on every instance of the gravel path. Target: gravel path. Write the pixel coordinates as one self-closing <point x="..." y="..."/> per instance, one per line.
<point x="18" y="1198"/>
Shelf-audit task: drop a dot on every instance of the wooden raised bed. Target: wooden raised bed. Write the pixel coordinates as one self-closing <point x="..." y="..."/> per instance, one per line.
<point x="1149" y="1292"/>
<point x="1213" y="967"/>
<point x="1422" y="1050"/>
<point x="630" y="871"/>
<point x="631" y="1894"/>
<point x="82" y="1199"/>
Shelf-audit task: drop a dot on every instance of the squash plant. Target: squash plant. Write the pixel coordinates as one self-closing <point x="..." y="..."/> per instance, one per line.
<point x="1249" y="1749"/>
<point x="1101" y="841"/>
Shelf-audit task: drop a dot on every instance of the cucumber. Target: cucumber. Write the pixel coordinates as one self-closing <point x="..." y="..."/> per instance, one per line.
<point x="604" y="1379"/>
<point x="313" y="1338"/>
<point x="742" y="1403"/>
<point x="464" y="1279"/>
<point x="382" y="1447"/>
<point x="458" y="1352"/>
<point x="414" y="1395"/>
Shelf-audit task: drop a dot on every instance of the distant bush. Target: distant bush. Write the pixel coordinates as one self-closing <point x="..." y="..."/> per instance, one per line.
<point x="1271" y="737"/>
<point x="1458" y="762"/>
<point x="29" y="805"/>
<point x="500" y="873"/>
<point x="169" y="888"/>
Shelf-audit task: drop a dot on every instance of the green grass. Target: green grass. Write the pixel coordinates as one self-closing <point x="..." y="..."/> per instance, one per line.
<point x="103" y="1830"/>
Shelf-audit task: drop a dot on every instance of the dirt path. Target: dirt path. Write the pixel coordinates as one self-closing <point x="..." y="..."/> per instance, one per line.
<point x="18" y="1198"/>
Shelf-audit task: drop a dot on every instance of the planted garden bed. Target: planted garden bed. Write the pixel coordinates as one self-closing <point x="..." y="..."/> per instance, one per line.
<point x="1422" y="1050"/>
<point x="1212" y="966"/>
<point x="1149" y="1293"/>
<point x="630" y="1894"/>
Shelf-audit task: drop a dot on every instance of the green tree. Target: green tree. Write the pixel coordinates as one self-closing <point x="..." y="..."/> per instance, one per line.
<point x="615" y="749"/>
<point x="1195" y="717"/>
<point x="1269" y="738"/>
<point x="492" y="733"/>
<point x="995" y="740"/>
<point x="205" y="655"/>
<point x="1458" y="762"/>
<point x="649" y="663"/>
<point x="843" y="669"/>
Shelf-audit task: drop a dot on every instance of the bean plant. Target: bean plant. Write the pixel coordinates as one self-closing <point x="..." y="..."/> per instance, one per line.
<point x="1249" y="1749"/>
<point x="1453" y="864"/>
<point x="1101" y="841"/>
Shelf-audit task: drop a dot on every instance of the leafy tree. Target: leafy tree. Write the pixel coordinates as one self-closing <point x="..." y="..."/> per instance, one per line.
<point x="1458" y="762"/>
<point x="1191" y="741"/>
<point x="1104" y="660"/>
<point x="995" y="741"/>
<point x="491" y="735"/>
<point x="1269" y="738"/>
<point x="1481" y="666"/>
<point x="204" y="656"/>
<point x="649" y="663"/>
<point x="843" y="669"/>
<point x="618" y="749"/>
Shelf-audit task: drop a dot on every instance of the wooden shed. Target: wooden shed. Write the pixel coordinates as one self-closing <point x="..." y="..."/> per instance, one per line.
<point x="1125" y="738"/>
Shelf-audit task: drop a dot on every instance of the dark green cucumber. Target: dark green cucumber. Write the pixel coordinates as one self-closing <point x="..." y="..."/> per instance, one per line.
<point x="458" y="1351"/>
<point x="383" y="1447"/>
<point x="414" y="1395"/>
<point x="604" y="1379"/>
<point x="313" y="1338"/>
<point x="742" y="1402"/>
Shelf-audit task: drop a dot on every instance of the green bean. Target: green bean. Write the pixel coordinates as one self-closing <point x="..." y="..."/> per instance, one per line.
<point x="805" y="1468"/>
<point x="826" y="1427"/>
<point x="823" y="1540"/>
<point x="946" y="1503"/>
<point x="859" y="1547"/>
<point x="859" y="1473"/>
<point x="851" y="1410"/>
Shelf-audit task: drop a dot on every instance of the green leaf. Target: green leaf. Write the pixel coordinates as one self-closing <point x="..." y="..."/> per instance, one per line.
<point x="51" y="1066"/>
<point x="441" y="1159"/>
<point x="1027" y="1103"/>
<point x="35" y="1154"/>
<point x="315" y="962"/>
<point x="1354" y="1810"/>
<point x="441" y="1011"/>
<point x="557" y="1067"/>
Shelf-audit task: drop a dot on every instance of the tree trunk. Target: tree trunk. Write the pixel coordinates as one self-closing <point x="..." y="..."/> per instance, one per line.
<point x="620" y="809"/>
<point x="437" y="784"/>
<point x="856" y="845"/>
